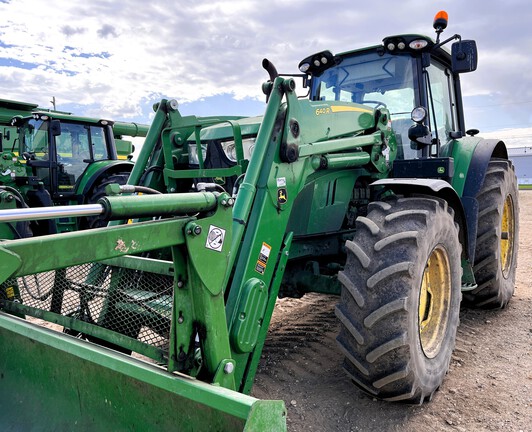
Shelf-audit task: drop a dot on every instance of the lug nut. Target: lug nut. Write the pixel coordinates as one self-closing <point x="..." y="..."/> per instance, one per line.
<point x="194" y="229"/>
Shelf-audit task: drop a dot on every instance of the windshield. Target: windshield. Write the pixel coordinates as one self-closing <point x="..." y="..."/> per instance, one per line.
<point x="35" y="138"/>
<point x="370" y="79"/>
<point x="374" y="80"/>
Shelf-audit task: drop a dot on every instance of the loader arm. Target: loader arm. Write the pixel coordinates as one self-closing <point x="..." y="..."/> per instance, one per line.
<point x="191" y="284"/>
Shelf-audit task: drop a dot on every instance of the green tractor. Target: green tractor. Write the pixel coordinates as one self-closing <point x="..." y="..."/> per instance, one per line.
<point x="371" y="188"/>
<point x="55" y="158"/>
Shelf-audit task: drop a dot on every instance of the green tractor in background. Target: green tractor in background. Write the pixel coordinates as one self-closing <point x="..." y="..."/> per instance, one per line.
<point x="49" y="157"/>
<point x="371" y="188"/>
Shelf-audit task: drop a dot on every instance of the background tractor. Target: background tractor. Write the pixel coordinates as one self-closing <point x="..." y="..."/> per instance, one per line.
<point x="55" y="158"/>
<point x="370" y="188"/>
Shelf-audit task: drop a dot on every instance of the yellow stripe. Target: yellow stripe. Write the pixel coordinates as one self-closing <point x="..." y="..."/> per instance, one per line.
<point x="342" y="108"/>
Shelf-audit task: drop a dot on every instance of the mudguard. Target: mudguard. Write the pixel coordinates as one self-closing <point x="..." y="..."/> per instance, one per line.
<point x="435" y="187"/>
<point x="99" y="169"/>
<point x="472" y="156"/>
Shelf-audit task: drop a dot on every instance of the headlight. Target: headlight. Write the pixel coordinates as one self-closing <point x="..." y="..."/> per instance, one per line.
<point x="229" y="149"/>
<point x="193" y="153"/>
<point x="419" y="114"/>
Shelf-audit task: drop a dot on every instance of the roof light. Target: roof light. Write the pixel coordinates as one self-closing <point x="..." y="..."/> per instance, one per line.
<point x="390" y="46"/>
<point x="44" y="117"/>
<point x="317" y="63"/>
<point x="401" y="45"/>
<point x="418" y="44"/>
<point x="304" y="67"/>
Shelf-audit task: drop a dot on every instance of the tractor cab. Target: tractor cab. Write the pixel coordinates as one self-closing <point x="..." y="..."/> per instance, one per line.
<point x="59" y="150"/>
<point x="410" y="75"/>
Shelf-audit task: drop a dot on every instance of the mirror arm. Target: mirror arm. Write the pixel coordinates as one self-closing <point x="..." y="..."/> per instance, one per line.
<point x="438" y="45"/>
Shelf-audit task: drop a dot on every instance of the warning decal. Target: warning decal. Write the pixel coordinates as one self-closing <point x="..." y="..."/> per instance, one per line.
<point x="215" y="238"/>
<point x="264" y="254"/>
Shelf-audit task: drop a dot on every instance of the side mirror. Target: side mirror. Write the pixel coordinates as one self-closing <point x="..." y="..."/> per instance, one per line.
<point x="55" y="127"/>
<point x="464" y="56"/>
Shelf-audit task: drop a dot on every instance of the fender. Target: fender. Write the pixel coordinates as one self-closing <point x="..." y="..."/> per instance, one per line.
<point x="484" y="151"/>
<point x="95" y="171"/>
<point x="475" y="164"/>
<point x="437" y="188"/>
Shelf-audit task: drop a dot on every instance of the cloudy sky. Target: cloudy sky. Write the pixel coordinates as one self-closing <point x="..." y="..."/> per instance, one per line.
<point x="114" y="59"/>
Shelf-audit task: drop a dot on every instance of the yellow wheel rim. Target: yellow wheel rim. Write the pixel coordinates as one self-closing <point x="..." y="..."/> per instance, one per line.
<point x="434" y="302"/>
<point x="507" y="235"/>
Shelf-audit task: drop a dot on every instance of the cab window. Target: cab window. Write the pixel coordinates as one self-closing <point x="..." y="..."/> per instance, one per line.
<point x="443" y="110"/>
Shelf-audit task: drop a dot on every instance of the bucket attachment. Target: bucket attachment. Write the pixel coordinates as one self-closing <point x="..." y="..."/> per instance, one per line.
<point x="133" y="331"/>
<point x="55" y="382"/>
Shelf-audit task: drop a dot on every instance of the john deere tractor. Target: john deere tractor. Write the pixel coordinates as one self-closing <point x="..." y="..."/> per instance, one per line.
<point x="371" y="188"/>
<point x="55" y="158"/>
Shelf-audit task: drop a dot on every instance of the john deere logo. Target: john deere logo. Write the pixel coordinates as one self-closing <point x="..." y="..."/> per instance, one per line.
<point x="441" y="170"/>
<point x="281" y="195"/>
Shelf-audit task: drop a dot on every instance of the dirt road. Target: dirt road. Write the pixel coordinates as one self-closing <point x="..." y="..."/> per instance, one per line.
<point x="488" y="387"/>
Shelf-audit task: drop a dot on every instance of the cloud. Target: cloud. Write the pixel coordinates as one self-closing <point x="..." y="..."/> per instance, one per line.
<point x="119" y="57"/>
<point x="70" y="31"/>
<point x="107" y="31"/>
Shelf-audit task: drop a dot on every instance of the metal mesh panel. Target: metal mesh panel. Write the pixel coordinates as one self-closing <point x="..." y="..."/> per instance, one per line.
<point x="133" y="303"/>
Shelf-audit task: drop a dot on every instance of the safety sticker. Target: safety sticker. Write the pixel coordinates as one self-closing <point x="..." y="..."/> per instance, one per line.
<point x="264" y="254"/>
<point x="215" y="238"/>
<point x="281" y="182"/>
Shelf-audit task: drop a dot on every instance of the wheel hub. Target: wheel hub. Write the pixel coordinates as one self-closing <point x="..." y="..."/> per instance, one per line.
<point x="507" y="236"/>
<point x="434" y="302"/>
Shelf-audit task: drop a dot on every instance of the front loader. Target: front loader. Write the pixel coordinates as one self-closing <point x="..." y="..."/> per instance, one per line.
<point x="368" y="189"/>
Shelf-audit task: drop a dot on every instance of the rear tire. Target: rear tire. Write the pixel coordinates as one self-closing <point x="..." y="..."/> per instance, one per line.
<point x="497" y="238"/>
<point x="400" y="301"/>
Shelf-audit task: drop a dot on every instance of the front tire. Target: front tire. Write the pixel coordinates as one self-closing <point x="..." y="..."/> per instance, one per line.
<point x="497" y="238"/>
<point x="97" y="192"/>
<point x="400" y="301"/>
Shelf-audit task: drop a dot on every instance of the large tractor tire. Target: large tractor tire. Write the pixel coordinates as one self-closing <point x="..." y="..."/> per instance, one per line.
<point x="97" y="192"/>
<point x="497" y="238"/>
<point x="400" y="301"/>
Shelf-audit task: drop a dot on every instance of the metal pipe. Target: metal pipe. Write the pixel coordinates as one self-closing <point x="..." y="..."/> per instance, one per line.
<point x="246" y="193"/>
<point x="120" y="207"/>
<point x="150" y="142"/>
<point x="339" y="144"/>
<point x="342" y="160"/>
<point x="138" y="206"/>
<point x="38" y="213"/>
